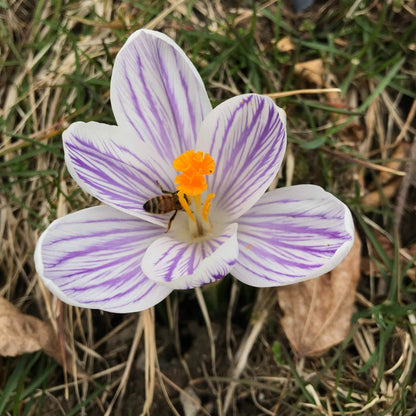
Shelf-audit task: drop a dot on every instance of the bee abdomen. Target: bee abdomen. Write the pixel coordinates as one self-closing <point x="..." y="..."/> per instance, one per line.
<point x="148" y="206"/>
<point x="159" y="205"/>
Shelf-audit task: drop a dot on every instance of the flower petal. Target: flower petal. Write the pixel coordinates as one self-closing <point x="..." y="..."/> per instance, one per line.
<point x="157" y="92"/>
<point x="185" y="265"/>
<point x="116" y="167"/>
<point x="246" y="136"/>
<point x="292" y="234"/>
<point x="91" y="259"/>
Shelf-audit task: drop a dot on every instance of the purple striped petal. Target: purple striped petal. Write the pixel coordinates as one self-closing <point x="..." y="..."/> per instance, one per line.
<point x="184" y="265"/>
<point x="116" y="168"/>
<point x="91" y="259"/>
<point x="246" y="136"/>
<point x="292" y="234"/>
<point x="157" y="92"/>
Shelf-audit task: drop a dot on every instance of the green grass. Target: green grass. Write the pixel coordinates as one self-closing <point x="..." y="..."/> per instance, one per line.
<point x="55" y="70"/>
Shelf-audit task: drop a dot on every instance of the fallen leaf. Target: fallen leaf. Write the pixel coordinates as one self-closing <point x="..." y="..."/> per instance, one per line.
<point x="396" y="161"/>
<point x="285" y="45"/>
<point x="341" y="42"/>
<point x="312" y="71"/>
<point x="318" y="311"/>
<point x="21" y="334"/>
<point x="376" y="198"/>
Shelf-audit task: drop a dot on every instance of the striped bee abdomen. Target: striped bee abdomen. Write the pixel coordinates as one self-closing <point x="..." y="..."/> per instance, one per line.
<point x="163" y="204"/>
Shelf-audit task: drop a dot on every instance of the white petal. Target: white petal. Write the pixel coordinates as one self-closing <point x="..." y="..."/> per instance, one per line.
<point x="157" y="92"/>
<point x="91" y="259"/>
<point x="246" y="136"/>
<point x="184" y="265"/>
<point x="116" y="167"/>
<point x="292" y="234"/>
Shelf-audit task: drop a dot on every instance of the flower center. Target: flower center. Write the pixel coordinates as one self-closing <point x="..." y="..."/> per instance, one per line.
<point x="191" y="182"/>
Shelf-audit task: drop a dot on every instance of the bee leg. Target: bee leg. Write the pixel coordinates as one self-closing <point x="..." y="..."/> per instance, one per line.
<point x="171" y="219"/>
<point x="164" y="191"/>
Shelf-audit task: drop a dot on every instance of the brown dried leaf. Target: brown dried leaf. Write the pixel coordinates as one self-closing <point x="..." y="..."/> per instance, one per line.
<point x="311" y="71"/>
<point x="21" y="334"/>
<point x="285" y="45"/>
<point x="318" y="311"/>
<point x="376" y="198"/>
<point x="396" y="161"/>
<point x="314" y="72"/>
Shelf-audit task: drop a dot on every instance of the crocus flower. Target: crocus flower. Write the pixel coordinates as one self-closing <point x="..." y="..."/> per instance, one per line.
<point x="119" y="257"/>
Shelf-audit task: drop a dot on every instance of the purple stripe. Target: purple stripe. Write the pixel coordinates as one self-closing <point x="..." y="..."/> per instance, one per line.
<point x="274" y="232"/>
<point x="118" y="166"/>
<point x="167" y="98"/>
<point x="97" y="262"/>
<point x="132" y="273"/>
<point x="176" y="111"/>
<point x="247" y="145"/>
<point x="133" y="185"/>
<point x="182" y="264"/>
<point x="171" y="265"/>
<point x="122" y="294"/>
<point x="289" y="262"/>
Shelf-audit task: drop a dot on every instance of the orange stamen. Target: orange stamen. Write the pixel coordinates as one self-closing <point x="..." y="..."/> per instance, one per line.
<point x="207" y="206"/>
<point x="195" y="162"/>
<point x="194" y="166"/>
<point x="191" y="184"/>
<point x="185" y="205"/>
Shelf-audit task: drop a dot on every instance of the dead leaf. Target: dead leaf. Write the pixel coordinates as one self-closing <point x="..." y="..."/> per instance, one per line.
<point x="314" y="72"/>
<point x="376" y="198"/>
<point x="396" y="161"/>
<point x="311" y="71"/>
<point x="318" y="311"/>
<point x="285" y="45"/>
<point x="341" y="42"/>
<point x="21" y="334"/>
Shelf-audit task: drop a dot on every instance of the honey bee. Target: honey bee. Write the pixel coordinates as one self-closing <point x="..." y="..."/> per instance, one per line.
<point x="165" y="203"/>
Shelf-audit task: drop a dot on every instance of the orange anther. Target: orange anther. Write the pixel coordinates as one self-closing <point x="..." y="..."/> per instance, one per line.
<point x="194" y="166"/>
